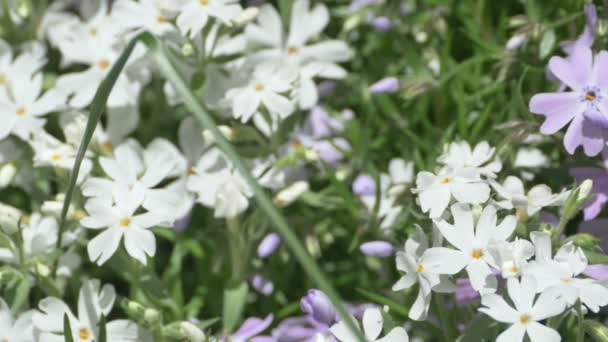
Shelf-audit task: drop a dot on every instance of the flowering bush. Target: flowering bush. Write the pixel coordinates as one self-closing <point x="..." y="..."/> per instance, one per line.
<point x="290" y="171"/>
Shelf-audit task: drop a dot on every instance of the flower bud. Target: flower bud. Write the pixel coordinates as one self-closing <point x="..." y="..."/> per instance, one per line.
<point x="585" y="190"/>
<point x="9" y="219"/>
<point x="379" y="249"/>
<point x="318" y="306"/>
<point x="262" y="285"/>
<point x="151" y="316"/>
<point x="247" y="16"/>
<point x="586" y="241"/>
<point x="385" y="86"/>
<point x="269" y="244"/>
<point x="225" y="130"/>
<point x="291" y="193"/>
<point x="364" y="185"/>
<point x="7" y="173"/>
<point x="192" y="332"/>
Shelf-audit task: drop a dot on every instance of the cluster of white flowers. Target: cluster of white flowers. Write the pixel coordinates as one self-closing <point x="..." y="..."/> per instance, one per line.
<point x="485" y="236"/>
<point x="255" y="69"/>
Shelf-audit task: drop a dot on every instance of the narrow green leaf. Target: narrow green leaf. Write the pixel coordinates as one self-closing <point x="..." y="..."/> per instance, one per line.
<point x="192" y="103"/>
<point x="379" y="299"/>
<point x="234" y="302"/>
<point x="67" y="329"/>
<point x="597" y="330"/>
<point x="102" y="329"/>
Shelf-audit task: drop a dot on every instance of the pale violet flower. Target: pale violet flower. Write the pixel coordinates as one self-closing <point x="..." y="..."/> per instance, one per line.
<point x="93" y="301"/>
<point x="513" y="195"/>
<point x="472" y="240"/>
<point x="15" y="328"/>
<point x="195" y="14"/>
<point x="267" y="87"/>
<point x="372" y="328"/>
<point x="436" y="191"/>
<point x="524" y="318"/>
<point x="428" y="267"/>
<point x="479" y="159"/>
<point x="562" y="273"/>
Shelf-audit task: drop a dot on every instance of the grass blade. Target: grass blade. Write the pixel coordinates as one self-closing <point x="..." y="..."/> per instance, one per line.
<point x="67" y="329"/>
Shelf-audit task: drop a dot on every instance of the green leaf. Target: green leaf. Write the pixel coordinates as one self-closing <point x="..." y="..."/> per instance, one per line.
<point x="597" y="330"/>
<point x="596" y="258"/>
<point x="67" y="329"/>
<point x="546" y="44"/>
<point x="102" y="329"/>
<point x="234" y="302"/>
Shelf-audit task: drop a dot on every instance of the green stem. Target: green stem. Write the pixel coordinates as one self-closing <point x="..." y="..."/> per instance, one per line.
<point x="265" y="203"/>
<point x="581" y="328"/>
<point x="446" y="324"/>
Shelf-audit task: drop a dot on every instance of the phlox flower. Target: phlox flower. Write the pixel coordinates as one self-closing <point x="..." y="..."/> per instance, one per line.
<point x="460" y="156"/>
<point x="429" y="268"/>
<point x="251" y="328"/>
<point x="511" y="258"/>
<point x="15" y="328"/>
<point x="372" y="328"/>
<point x="21" y="66"/>
<point x="195" y="14"/>
<point x="49" y="151"/>
<point x="121" y="220"/>
<point x="514" y="196"/>
<point x="267" y="87"/>
<point x="584" y="106"/>
<point x="309" y="60"/>
<point x="472" y="239"/>
<point x="524" y="317"/>
<point x="93" y="301"/>
<point x="562" y="273"/>
<point x="436" y="191"/>
<point x="149" y="15"/>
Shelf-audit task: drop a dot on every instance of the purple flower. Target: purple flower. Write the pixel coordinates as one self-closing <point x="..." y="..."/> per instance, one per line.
<point x="261" y="284"/>
<point x="379" y="249"/>
<point x="183" y="223"/>
<point x="318" y="306"/>
<point x="299" y="329"/>
<point x="597" y="272"/>
<point x="586" y="38"/>
<point x="598" y="229"/>
<point x="326" y="88"/>
<point x="385" y="86"/>
<point x="253" y="327"/>
<point x="584" y="107"/>
<point x="364" y="185"/>
<point x="321" y="124"/>
<point x="382" y="24"/>
<point x="599" y="197"/>
<point x="465" y="294"/>
<point x="331" y="150"/>
<point x="269" y="244"/>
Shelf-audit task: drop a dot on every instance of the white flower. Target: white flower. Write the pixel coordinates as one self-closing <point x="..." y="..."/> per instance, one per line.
<point x="372" y="328"/>
<point x="427" y="267"/>
<point x="562" y="273"/>
<point x="314" y="60"/>
<point x="436" y="191"/>
<point x="525" y="317"/>
<point x="195" y="14"/>
<point x="511" y="258"/>
<point x="93" y="302"/>
<point x="120" y="220"/>
<point x="15" y="330"/>
<point x="460" y="155"/>
<point x="531" y="158"/>
<point x="23" y="106"/>
<point x="267" y="87"/>
<point x="48" y="151"/>
<point x="514" y="195"/>
<point x="22" y="66"/>
<point x="402" y="175"/>
<point x="149" y="15"/>
<point x="472" y="240"/>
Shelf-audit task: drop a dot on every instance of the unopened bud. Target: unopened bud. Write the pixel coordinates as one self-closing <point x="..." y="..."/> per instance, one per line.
<point x="7" y="173"/>
<point x="247" y="16"/>
<point x="586" y="241"/>
<point x="226" y="131"/>
<point x="291" y="193"/>
<point x="42" y="270"/>
<point x="192" y="332"/>
<point x="9" y="219"/>
<point x="151" y="316"/>
<point x="585" y="190"/>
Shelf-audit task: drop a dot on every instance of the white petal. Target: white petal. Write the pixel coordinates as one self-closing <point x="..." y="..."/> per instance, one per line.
<point x="522" y="293"/>
<point x="541" y="333"/>
<point x="435" y="199"/>
<point x="514" y="333"/>
<point x="372" y="323"/>
<point x="342" y="332"/>
<point x="548" y="304"/>
<point x="441" y="260"/>
<point x="471" y="193"/>
<point x="103" y="246"/>
<point x="396" y="335"/>
<point x="420" y="308"/>
<point x="140" y="243"/>
<point x="93" y="301"/>
<point x="496" y="307"/>
<point x="481" y="276"/>
<point x="126" y="331"/>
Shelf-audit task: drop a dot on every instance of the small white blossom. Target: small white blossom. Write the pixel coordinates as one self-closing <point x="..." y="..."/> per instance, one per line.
<point x="460" y="156"/>
<point x="372" y="328"/>
<point x="15" y="329"/>
<point x="195" y="14"/>
<point x="514" y="196"/>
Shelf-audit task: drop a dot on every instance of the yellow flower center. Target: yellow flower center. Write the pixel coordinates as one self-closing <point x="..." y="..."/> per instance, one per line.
<point x="2" y="79"/>
<point x="567" y="280"/>
<point x="108" y="147"/>
<point x="125" y="222"/>
<point x="419" y="268"/>
<point x="259" y="87"/>
<point x="21" y="111"/>
<point x="523" y="319"/>
<point x="84" y="334"/>
<point x="297" y="144"/>
<point x="93" y="32"/>
<point x="55" y="156"/>
<point x="590" y="96"/>
<point x="446" y="180"/>
<point x="103" y="64"/>
<point x="514" y="269"/>
<point x="204" y="2"/>
<point x="477" y="254"/>
<point x="161" y="19"/>
<point x="292" y="50"/>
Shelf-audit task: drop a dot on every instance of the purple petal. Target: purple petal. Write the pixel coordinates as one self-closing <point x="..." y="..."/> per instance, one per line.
<point x="364" y="185"/>
<point x="465" y="294"/>
<point x="269" y="244"/>
<point x="385" y="86"/>
<point x="593" y="138"/>
<point x="252" y="327"/>
<point x="379" y="249"/>
<point x="597" y="272"/>
<point x="262" y="285"/>
<point x="600" y="70"/>
<point x="559" y="109"/>
<point x="382" y="24"/>
<point x="575" y="71"/>
<point x="318" y="306"/>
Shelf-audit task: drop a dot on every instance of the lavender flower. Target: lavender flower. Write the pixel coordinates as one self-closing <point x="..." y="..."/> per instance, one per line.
<point x="321" y="124"/>
<point x="269" y="244"/>
<point x="183" y="223"/>
<point x="465" y="294"/>
<point x="584" y="107"/>
<point x="364" y="185"/>
<point x="251" y="328"/>
<point x="318" y="306"/>
<point x="382" y="24"/>
<point x="379" y="249"/>
<point x="586" y="38"/>
<point x="331" y="151"/>
<point x="262" y="285"/>
<point x="385" y="86"/>
<point x="597" y="272"/>
<point x="299" y="329"/>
